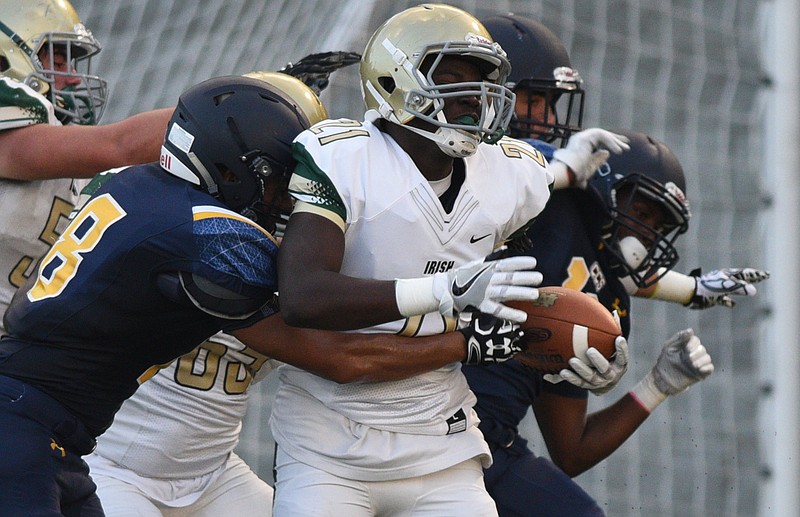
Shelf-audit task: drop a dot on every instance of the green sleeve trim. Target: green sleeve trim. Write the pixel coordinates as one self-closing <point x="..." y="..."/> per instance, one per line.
<point x="312" y="186"/>
<point x="30" y="109"/>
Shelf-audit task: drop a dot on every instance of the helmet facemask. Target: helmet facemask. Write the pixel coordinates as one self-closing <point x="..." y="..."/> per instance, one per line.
<point x="398" y="84"/>
<point x="643" y="252"/>
<point x="44" y="45"/>
<point x="563" y="98"/>
<point x="82" y="102"/>
<point x="427" y="102"/>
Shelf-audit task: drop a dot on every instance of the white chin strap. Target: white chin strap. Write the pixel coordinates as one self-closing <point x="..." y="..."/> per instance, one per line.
<point x="453" y="142"/>
<point x="633" y="251"/>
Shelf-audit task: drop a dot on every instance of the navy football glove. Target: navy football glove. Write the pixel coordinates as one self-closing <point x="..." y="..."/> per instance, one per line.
<point x="315" y="69"/>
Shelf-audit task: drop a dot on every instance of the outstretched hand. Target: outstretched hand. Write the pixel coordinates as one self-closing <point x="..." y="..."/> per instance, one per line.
<point x="716" y="287"/>
<point x="683" y="361"/>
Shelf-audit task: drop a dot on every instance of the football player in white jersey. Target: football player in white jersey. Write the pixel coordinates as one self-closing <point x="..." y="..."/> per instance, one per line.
<point x="169" y="451"/>
<point x="394" y="217"/>
<point x="49" y="105"/>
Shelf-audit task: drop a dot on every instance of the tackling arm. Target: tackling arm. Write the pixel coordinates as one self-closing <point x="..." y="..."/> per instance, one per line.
<point x="350" y="357"/>
<point x="43" y="151"/>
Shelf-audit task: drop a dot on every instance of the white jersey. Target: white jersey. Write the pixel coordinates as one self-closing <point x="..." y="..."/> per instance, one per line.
<point x="396" y="227"/>
<point x="32" y="213"/>
<point x="184" y="421"/>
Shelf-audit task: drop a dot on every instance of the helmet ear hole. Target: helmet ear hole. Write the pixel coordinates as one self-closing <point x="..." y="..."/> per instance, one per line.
<point x="387" y="83"/>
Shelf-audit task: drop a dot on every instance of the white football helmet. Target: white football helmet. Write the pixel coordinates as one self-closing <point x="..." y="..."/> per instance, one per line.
<point x="397" y="90"/>
<point x="30" y="26"/>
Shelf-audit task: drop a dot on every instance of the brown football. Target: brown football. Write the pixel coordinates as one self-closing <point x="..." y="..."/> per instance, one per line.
<point x="561" y="325"/>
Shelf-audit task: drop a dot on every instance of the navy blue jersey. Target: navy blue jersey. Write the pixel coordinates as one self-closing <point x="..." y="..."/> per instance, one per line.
<point x="546" y="149"/>
<point x="566" y="244"/>
<point x="103" y="310"/>
<point x="569" y="253"/>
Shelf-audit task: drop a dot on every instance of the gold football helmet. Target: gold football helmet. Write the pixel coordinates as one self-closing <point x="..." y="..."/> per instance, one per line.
<point x="32" y="33"/>
<point x="310" y="105"/>
<point x="397" y="86"/>
<point x="304" y="96"/>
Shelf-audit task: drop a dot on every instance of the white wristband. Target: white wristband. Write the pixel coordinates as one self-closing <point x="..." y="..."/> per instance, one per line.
<point x="647" y="394"/>
<point x="561" y="174"/>
<point x="675" y="287"/>
<point x="415" y="296"/>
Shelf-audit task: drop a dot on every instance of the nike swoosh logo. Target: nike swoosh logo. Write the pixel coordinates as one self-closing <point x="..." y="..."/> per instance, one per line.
<point x="458" y="290"/>
<point x="473" y="239"/>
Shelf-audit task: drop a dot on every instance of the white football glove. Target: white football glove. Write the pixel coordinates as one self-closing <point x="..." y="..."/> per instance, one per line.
<point x="601" y="375"/>
<point x="716" y="287"/>
<point x="482" y="286"/>
<point x="587" y="150"/>
<point x="683" y="362"/>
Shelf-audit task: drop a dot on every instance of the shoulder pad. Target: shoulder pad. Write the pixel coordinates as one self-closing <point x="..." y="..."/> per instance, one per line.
<point x="21" y="106"/>
<point x="219" y="301"/>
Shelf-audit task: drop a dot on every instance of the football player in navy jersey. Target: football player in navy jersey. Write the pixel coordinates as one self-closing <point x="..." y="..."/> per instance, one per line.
<point x="163" y="256"/>
<point x="612" y="238"/>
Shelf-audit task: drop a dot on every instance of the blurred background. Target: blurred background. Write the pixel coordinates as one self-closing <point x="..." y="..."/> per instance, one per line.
<point x="714" y="79"/>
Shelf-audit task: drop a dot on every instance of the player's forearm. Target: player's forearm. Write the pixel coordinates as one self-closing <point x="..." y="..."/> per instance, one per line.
<point x="563" y="177"/>
<point x="138" y="138"/>
<point x="387" y="357"/>
<point x="350" y="357"/>
<point x="672" y="287"/>
<point x="41" y="151"/>
<point x="604" y="432"/>
<point x="332" y="301"/>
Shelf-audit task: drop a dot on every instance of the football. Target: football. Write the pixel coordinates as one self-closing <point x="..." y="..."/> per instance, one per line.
<point x="563" y="323"/>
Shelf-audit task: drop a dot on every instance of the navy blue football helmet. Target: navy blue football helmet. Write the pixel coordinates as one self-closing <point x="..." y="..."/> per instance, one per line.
<point x="540" y="64"/>
<point x="230" y="135"/>
<point x="649" y="171"/>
